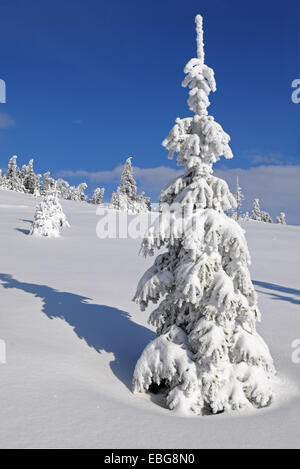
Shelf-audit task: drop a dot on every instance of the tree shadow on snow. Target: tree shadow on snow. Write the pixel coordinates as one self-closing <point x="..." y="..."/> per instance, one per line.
<point x="21" y="230"/>
<point x="277" y="288"/>
<point x="102" y="327"/>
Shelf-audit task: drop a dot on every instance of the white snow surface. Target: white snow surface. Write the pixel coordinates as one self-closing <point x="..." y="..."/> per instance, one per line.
<point x="73" y="337"/>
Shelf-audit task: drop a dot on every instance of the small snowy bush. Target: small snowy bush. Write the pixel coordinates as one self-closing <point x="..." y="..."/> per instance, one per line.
<point x="49" y="218"/>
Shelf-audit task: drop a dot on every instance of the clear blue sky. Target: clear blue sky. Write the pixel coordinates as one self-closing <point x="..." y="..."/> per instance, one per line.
<point x="91" y="82"/>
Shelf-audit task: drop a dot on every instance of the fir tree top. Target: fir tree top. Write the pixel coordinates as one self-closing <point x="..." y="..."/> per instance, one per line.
<point x="198" y="140"/>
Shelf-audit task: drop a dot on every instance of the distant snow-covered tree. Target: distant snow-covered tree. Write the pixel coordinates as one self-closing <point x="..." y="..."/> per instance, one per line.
<point x="37" y="190"/>
<point x="13" y="178"/>
<point x="2" y="180"/>
<point x="260" y="215"/>
<point x="30" y="180"/>
<point x="63" y="189"/>
<point x="144" y="202"/>
<point x="239" y="197"/>
<point x="97" y="196"/>
<point x="78" y="193"/>
<point x="126" y="198"/>
<point x="47" y="184"/>
<point x="208" y="356"/>
<point x="115" y="200"/>
<point x="256" y="213"/>
<point x="49" y="217"/>
<point x="266" y="217"/>
<point x="128" y="184"/>
<point x="81" y="191"/>
<point x="281" y="218"/>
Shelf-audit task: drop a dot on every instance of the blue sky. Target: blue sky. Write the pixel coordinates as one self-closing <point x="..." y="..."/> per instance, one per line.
<point x="90" y="83"/>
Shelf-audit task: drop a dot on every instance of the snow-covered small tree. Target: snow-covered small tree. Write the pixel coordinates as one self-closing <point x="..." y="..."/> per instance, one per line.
<point x="81" y="191"/>
<point x="266" y="217"/>
<point x="63" y="189"/>
<point x="37" y="190"/>
<point x="126" y="198"/>
<point x="281" y="218"/>
<point x="47" y="184"/>
<point x="30" y="181"/>
<point x="208" y="356"/>
<point x="23" y="172"/>
<point x="256" y="212"/>
<point x="128" y="184"/>
<point x="260" y="215"/>
<point x="49" y="217"/>
<point x="115" y="200"/>
<point x="97" y="196"/>
<point x="78" y="193"/>
<point x="144" y="202"/>
<point x="239" y="197"/>
<point x="2" y="180"/>
<point x="13" y="178"/>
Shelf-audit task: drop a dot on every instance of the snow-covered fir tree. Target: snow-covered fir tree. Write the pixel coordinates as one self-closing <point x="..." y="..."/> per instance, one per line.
<point x="207" y="356"/>
<point x="30" y="179"/>
<point x="239" y="197"/>
<point x="126" y="198"/>
<point x="37" y="190"/>
<point x="13" y="177"/>
<point x="97" y="196"/>
<point x="63" y="189"/>
<point x="47" y="184"/>
<point x="266" y="217"/>
<point x="256" y="212"/>
<point x="3" y="181"/>
<point x="78" y="193"/>
<point x="49" y="217"/>
<point x="144" y="202"/>
<point x="259" y="215"/>
<point x="281" y="219"/>
<point x="2" y="186"/>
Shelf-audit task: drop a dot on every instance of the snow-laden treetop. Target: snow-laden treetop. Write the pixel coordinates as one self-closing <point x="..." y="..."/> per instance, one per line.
<point x="198" y="140"/>
<point x="200" y="43"/>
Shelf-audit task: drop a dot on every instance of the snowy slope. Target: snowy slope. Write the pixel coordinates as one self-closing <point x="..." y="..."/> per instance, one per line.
<point x="73" y="337"/>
